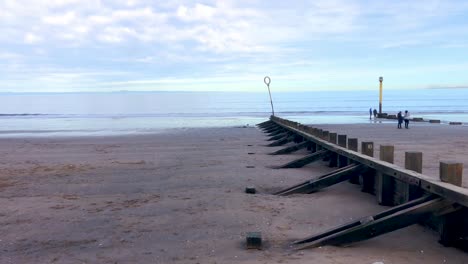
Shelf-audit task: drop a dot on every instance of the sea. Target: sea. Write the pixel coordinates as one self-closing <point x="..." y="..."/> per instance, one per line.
<point x="120" y="113"/>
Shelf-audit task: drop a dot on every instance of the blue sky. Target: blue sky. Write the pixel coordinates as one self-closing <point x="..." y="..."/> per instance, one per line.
<point x="100" y="45"/>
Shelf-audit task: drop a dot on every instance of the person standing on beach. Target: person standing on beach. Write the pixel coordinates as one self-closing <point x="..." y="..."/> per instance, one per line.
<point x="375" y="113"/>
<point x="406" y="117"/>
<point x="370" y="113"/>
<point x="400" y="119"/>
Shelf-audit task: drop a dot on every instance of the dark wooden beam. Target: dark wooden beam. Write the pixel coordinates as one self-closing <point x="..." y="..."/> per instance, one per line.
<point x="281" y="141"/>
<point x="373" y="226"/>
<point x="299" y="163"/>
<point x="291" y="149"/>
<point x="264" y="124"/>
<point x="277" y="132"/>
<point x="446" y="190"/>
<point x="324" y="181"/>
<point x="279" y="136"/>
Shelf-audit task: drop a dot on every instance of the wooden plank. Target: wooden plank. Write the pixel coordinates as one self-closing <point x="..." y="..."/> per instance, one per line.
<point x="276" y="132"/>
<point x="299" y="163"/>
<point x="355" y="223"/>
<point x="371" y="227"/>
<point x="291" y="149"/>
<point x="281" y="141"/>
<point x="451" y="192"/>
<point x="342" y="142"/>
<point x="272" y="129"/>
<point x="367" y="179"/>
<point x="279" y="136"/>
<point x="384" y="183"/>
<point x="325" y="181"/>
<point x="451" y="225"/>
<point x="405" y="192"/>
<point x="264" y="124"/>
<point x="306" y="182"/>
<point x="272" y="125"/>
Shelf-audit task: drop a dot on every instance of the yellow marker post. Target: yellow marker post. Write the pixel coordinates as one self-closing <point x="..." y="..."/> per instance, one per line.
<point x="380" y="95"/>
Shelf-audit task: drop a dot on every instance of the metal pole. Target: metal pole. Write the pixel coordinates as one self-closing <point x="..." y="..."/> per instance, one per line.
<point x="380" y="95"/>
<point x="267" y="81"/>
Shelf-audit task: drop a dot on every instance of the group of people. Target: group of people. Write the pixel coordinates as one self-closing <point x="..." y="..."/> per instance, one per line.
<point x="372" y="112"/>
<point x="401" y="118"/>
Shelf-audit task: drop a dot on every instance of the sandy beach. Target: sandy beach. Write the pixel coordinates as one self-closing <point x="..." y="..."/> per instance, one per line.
<point x="178" y="197"/>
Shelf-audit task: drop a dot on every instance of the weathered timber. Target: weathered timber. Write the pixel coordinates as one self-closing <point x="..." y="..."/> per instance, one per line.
<point x="355" y="223"/>
<point x="342" y="160"/>
<point x="353" y="144"/>
<point x="250" y="189"/>
<point x="451" y="172"/>
<point x="325" y="134"/>
<point x="254" y="240"/>
<point x="269" y="126"/>
<point x="332" y="138"/>
<point x="299" y="163"/>
<point x="306" y="182"/>
<point x="404" y="192"/>
<point x="272" y="129"/>
<point x="298" y="139"/>
<point x="276" y="132"/>
<point x="384" y="183"/>
<point x="279" y="136"/>
<point x="264" y="124"/>
<point x="367" y="179"/>
<point x="453" y="227"/>
<point x="291" y="149"/>
<point x="281" y="141"/>
<point x="373" y="226"/>
<point x="337" y="176"/>
<point x="448" y="191"/>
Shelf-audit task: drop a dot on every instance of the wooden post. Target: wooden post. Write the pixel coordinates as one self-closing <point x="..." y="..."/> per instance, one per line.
<point x="367" y="148"/>
<point x="333" y="156"/>
<point x="367" y="179"/>
<point x="353" y="145"/>
<point x="325" y="134"/>
<point x="384" y="183"/>
<point x="319" y="133"/>
<point x="403" y="191"/>
<point x="342" y="161"/>
<point x="254" y="240"/>
<point x="342" y="141"/>
<point x="452" y="226"/>
<point x="451" y="172"/>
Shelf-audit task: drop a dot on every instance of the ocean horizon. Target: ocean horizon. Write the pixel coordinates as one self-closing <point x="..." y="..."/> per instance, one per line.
<point x="126" y="112"/>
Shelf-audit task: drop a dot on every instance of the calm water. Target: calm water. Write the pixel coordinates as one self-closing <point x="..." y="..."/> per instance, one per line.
<point x="123" y="113"/>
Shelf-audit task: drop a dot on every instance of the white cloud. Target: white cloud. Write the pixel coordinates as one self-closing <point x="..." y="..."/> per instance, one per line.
<point x="198" y="12"/>
<point x="31" y="38"/>
<point x="62" y="20"/>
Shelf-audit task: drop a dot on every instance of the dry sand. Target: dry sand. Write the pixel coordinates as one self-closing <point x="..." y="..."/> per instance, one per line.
<point x="179" y="197"/>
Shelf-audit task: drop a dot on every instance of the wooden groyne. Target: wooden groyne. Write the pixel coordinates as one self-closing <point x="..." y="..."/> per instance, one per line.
<point x="416" y="198"/>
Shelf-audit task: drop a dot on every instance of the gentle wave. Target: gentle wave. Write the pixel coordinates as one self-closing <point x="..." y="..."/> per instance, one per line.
<point x="224" y="114"/>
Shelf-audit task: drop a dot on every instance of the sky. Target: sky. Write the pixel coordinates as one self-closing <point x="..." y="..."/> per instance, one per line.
<point x="226" y="45"/>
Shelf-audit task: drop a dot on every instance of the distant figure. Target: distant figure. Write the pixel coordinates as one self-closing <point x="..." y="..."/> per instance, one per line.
<point x="406" y="117"/>
<point x="400" y="119"/>
<point x="375" y="113"/>
<point x="370" y="113"/>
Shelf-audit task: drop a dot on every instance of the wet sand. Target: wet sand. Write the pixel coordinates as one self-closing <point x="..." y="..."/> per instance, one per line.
<point x="178" y="197"/>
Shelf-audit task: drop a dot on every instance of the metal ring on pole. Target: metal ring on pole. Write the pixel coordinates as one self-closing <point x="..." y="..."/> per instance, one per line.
<point x="267" y="81"/>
